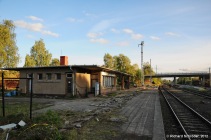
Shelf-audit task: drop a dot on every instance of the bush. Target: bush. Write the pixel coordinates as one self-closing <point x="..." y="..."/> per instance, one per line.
<point x="50" y="117"/>
<point x="43" y="127"/>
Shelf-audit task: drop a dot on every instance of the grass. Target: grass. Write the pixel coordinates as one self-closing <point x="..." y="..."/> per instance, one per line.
<point x="93" y="130"/>
<point x="12" y="108"/>
<point x="47" y="126"/>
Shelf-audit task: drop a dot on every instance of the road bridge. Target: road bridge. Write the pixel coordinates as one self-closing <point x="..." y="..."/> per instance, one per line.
<point x="202" y="76"/>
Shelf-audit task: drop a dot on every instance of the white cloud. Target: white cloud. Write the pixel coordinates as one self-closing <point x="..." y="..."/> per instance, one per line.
<point x="94" y="35"/>
<point x="74" y="20"/>
<point x="30" y="26"/>
<point x="30" y="36"/>
<point x="99" y="40"/>
<point x="123" y="43"/>
<point x="94" y="38"/>
<point x="101" y="26"/>
<point x="136" y="36"/>
<point x="36" y="27"/>
<point x="35" y="18"/>
<point x="185" y="70"/>
<point x="114" y="30"/>
<point x="154" y="38"/>
<point x="89" y="14"/>
<point x="171" y="34"/>
<point x="128" y="31"/>
<point x="49" y="33"/>
<point x="133" y="35"/>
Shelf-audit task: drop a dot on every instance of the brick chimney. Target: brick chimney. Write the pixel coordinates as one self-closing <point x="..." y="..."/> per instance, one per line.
<point x="63" y="60"/>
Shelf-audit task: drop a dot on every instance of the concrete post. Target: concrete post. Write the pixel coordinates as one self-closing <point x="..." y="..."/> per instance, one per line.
<point x="175" y="81"/>
<point x="210" y="77"/>
<point x="74" y="90"/>
<point x="203" y="81"/>
<point x="123" y="82"/>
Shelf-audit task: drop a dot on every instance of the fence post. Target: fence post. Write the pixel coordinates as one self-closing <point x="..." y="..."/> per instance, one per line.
<point x="31" y="96"/>
<point x="2" y="89"/>
<point x="99" y="88"/>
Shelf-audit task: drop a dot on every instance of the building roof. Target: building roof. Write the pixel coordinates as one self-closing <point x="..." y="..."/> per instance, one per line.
<point x="77" y="68"/>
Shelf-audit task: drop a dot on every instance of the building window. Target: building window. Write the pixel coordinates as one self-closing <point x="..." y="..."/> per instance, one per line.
<point x="49" y="76"/>
<point x="40" y="77"/>
<point x="58" y="76"/>
<point x="108" y="81"/>
<point x="69" y="75"/>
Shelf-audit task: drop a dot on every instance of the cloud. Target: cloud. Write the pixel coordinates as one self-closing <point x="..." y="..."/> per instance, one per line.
<point x="101" y="26"/>
<point x="114" y="30"/>
<point x="154" y="38"/>
<point x="99" y="40"/>
<point x="184" y="69"/>
<point x="49" y="33"/>
<point x="30" y="36"/>
<point x="133" y="35"/>
<point x="123" y="43"/>
<point x="171" y="34"/>
<point x="104" y="25"/>
<point x="74" y="20"/>
<point x="136" y="36"/>
<point x="36" y="27"/>
<point x="94" y="38"/>
<point x="128" y="31"/>
<point x="35" y="18"/>
<point x="89" y="14"/>
<point x="94" y="35"/>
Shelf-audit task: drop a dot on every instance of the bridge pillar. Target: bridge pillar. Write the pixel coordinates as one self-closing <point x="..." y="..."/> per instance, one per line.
<point x="210" y="79"/>
<point x="203" y="81"/>
<point x="175" y="80"/>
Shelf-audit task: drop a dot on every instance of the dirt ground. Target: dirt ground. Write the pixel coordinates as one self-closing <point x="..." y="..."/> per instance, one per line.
<point x="77" y="104"/>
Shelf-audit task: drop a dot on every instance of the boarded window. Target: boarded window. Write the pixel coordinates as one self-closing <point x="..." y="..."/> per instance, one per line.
<point x="40" y="76"/>
<point x="108" y="81"/>
<point x="58" y="76"/>
<point x="69" y="75"/>
<point x="49" y="76"/>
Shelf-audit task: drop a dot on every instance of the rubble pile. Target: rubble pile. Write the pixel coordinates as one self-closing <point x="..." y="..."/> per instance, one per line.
<point x="104" y="107"/>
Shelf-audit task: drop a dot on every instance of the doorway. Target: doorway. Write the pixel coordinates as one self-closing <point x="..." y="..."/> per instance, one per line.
<point x="69" y="83"/>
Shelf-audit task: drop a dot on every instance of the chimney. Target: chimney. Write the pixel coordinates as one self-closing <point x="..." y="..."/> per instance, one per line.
<point x="63" y="60"/>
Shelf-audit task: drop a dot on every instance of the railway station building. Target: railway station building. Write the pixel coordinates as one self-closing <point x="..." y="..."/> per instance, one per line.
<point x="71" y="80"/>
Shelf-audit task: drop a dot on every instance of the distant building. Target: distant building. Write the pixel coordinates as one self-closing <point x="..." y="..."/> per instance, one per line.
<point x="71" y="80"/>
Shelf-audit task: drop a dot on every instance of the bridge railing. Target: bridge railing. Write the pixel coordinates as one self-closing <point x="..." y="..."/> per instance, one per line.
<point x="180" y="74"/>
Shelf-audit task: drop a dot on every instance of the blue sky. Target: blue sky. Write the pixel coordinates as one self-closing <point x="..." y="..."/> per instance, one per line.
<point x="177" y="34"/>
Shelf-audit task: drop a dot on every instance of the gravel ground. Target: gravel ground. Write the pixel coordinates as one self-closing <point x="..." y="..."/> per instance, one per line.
<point x="171" y="126"/>
<point x="200" y="104"/>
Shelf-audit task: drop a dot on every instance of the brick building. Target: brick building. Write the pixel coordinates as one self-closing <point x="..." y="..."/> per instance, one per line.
<point x="71" y="80"/>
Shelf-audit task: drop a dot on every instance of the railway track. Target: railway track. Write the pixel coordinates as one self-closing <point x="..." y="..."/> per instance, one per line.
<point x="198" y="93"/>
<point x="193" y="125"/>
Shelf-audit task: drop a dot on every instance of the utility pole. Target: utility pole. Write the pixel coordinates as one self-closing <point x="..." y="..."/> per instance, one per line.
<point x="210" y="76"/>
<point x="156" y="69"/>
<point x="142" y="68"/>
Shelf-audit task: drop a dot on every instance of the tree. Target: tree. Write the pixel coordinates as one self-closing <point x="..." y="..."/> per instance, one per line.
<point x="108" y="61"/>
<point x="55" y="62"/>
<point x="122" y="63"/>
<point x="149" y="71"/>
<point x="9" y="56"/>
<point x="39" y="56"/>
<point x="29" y="62"/>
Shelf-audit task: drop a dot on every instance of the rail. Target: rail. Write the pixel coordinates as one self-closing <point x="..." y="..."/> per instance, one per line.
<point x="190" y="120"/>
<point x="198" y="93"/>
